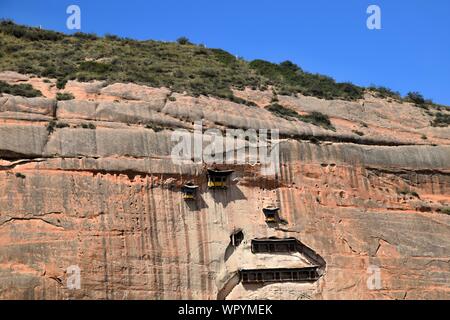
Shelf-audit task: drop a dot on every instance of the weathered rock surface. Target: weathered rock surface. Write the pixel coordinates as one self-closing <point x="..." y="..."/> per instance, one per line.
<point x="90" y="183"/>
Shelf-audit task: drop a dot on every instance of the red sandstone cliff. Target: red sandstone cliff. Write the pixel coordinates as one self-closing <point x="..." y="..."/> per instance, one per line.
<point x="106" y="197"/>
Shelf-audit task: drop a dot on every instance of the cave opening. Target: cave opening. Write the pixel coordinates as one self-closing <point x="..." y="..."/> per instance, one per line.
<point x="237" y="237"/>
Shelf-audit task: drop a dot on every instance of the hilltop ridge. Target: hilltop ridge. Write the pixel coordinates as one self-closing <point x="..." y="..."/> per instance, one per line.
<point x="180" y="66"/>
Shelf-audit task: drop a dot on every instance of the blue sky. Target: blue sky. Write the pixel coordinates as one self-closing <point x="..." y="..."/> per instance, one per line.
<point x="410" y="53"/>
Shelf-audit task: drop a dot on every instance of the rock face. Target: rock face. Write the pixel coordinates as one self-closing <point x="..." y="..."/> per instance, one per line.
<point x="90" y="183"/>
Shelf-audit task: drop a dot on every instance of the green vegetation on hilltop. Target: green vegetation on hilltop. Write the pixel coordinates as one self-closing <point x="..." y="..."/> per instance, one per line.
<point x="290" y="79"/>
<point x="181" y="66"/>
